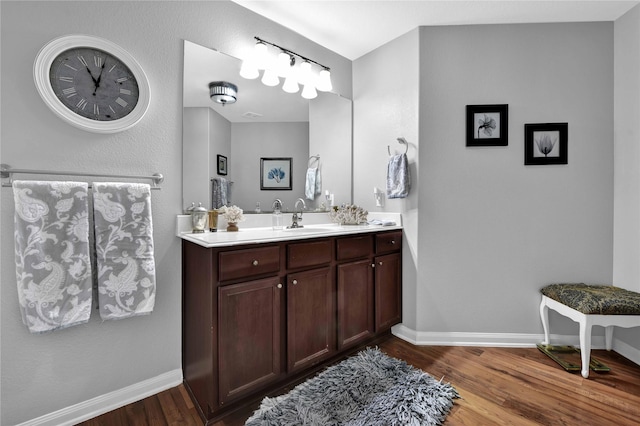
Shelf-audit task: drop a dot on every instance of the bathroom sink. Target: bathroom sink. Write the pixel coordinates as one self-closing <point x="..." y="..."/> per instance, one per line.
<point x="308" y="230"/>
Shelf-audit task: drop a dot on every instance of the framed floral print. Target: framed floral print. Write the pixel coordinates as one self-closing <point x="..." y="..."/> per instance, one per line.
<point x="275" y="173"/>
<point x="488" y="125"/>
<point x="545" y="143"/>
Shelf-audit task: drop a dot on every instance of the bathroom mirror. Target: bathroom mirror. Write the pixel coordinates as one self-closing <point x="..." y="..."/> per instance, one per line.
<point x="264" y="122"/>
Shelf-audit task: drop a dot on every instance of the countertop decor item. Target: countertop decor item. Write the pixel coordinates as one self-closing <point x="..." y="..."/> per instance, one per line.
<point x="199" y="219"/>
<point x="233" y="215"/>
<point x="92" y="83"/>
<point x="348" y="215"/>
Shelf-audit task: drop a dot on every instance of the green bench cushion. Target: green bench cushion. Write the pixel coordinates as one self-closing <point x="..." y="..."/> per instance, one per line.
<point x="595" y="299"/>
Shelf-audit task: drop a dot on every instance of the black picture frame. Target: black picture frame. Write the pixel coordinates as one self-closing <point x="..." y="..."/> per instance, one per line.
<point x="222" y="165"/>
<point x="546" y="143"/>
<point x="275" y="173"/>
<point x="488" y="125"/>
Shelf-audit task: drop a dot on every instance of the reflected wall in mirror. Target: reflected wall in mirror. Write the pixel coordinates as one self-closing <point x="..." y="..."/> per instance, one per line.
<point x="263" y="122"/>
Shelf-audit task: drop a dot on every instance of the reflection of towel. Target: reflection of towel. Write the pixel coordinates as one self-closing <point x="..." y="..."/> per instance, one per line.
<point x="124" y="249"/>
<point x="53" y="268"/>
<point x="219" y="192"/>
<point x="398" y="179"/>
<point x="313" y="184"/>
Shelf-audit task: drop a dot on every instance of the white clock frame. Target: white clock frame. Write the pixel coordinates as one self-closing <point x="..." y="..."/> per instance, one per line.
<point x="45" y="59"/>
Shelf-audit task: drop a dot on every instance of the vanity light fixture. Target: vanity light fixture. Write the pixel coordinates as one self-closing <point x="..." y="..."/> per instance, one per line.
<point x="223" y="92"/>
<point x="283" y="65"/>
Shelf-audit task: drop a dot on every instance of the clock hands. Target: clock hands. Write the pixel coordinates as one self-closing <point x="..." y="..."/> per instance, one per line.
<point x="97" y="82"/>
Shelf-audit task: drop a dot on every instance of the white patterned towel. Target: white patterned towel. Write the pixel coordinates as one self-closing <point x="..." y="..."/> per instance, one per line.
<point x="53" y="267"/>
<point x="398" y="178"/>
<point x="124" y="249"/>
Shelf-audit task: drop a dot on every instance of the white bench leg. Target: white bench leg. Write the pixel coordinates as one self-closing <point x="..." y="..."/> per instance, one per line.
<point x="544" y="317"/>
<point x="585" y="345"/>
<point x="608" y="337"/>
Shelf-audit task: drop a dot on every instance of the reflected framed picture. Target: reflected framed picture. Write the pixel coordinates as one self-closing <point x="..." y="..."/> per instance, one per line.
<point x="222" y="165"/>
<point x="545" y="143"/>
<point x="488" y="125"/>
<point x="275" y="173"/>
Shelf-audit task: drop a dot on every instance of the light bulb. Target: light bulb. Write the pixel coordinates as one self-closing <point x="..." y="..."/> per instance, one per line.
<point x="260" y="55"/>
<point x="309" y="91"/>
<point x="248" y="69"/>
<point x="291" y="83"/>
<point x="283" y="64"/>
<point x="270" y="78"/>
<point x="324" y="81"/>
<point x="305" y="73"/>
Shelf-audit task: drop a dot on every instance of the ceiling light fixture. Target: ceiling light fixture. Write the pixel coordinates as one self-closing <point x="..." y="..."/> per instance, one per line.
<point x="283" y="64"/>
<point x="223" y="92"/>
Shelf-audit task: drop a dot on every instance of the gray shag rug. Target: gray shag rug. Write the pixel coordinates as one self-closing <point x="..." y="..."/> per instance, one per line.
<point x="369" y="388"/>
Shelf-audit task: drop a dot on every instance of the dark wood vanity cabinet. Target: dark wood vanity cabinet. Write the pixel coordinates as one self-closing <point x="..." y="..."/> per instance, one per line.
<point x="257" y="316"/>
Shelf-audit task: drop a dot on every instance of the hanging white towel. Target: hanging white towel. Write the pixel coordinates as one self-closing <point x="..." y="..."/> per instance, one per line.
<point x="313" y="181"/>
<point x="398" y="179"/>
<point x="220" y="193"/>
<point x="124" y="249"/>
<point x="53" y="267"/>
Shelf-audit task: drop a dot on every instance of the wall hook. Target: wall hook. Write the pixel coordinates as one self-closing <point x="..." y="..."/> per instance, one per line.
<point x="401" y="141"/>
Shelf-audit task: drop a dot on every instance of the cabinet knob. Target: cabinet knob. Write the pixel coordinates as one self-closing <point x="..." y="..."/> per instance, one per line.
<point x="279" y="285"/>
<point x="393" y="241"/>
<point x="380" y="263"/>
<point x="294" y="282"/>
<point x="255" y="263"/>
<point x="373" y="265"/>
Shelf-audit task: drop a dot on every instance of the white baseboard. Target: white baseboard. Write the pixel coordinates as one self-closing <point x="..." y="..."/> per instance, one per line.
<point x="104" y="403"/>
<point x="626" y="350"/>
<point x="506" y="340"/>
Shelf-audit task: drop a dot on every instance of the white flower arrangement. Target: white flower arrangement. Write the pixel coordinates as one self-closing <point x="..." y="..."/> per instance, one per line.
<point x="232" y="214"/>
<point x="348" y="215"/>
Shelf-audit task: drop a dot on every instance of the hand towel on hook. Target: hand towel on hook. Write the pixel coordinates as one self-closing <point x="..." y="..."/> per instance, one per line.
<point x="313" y="181"/>
<point x="53" y="267"/>
<point x="124" y="249"/>
<point x="398" y="178"/>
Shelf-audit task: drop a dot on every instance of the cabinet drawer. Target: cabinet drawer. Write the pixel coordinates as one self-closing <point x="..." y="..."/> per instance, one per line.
<point x="249" y="262"/>
<point x="354" y="247"/>
<point x="302" y="255"/>
<point x="388" y="242"/>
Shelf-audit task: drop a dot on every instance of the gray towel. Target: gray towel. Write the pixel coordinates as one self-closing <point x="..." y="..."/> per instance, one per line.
<point x="53" y="267"/>
<point x="124" y="249"/>
<point x="398" y="179"/>
<point x="219" y="192"/>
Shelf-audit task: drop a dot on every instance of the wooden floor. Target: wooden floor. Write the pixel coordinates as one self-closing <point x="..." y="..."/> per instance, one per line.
<point x="498" y="386"/>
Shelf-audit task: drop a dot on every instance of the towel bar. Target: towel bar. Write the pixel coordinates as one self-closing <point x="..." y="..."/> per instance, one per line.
<point x="6" y="172"/>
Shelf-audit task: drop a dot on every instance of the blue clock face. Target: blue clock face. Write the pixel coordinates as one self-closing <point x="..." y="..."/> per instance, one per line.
<point x="94" y="84"/>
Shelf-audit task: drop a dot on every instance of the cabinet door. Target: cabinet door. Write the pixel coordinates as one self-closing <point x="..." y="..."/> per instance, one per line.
<point x="249" y="336"/>
<point x="355" y="302"/>
<point x="388" y="291"/>
<point x="310" y="318"/>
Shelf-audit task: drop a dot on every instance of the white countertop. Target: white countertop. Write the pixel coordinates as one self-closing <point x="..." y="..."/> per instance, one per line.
<point x="268" y="235"/>
<point x="260" y="235"/>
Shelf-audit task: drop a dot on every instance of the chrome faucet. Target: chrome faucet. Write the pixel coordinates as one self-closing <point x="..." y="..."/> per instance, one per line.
<point x="277" y="205"/>
<point x="297" y="217"/>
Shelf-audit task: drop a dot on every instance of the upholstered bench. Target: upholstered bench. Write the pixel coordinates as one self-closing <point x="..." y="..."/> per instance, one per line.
<point x="590" y="305"/>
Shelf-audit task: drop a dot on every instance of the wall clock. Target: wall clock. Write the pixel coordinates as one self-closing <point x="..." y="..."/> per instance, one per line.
<point x="91" y="83"/>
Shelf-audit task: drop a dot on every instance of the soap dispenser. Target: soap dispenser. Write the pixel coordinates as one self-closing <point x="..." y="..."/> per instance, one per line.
<point x="276" y="215"/>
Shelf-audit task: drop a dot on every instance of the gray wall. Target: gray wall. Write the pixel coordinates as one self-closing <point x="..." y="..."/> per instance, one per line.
<point x="493" y="231"/>
<point x="385" y="107"/>
<point x="490" y="231"/>
<point x="45" y="373"/>
<point x="626" y="248"/>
